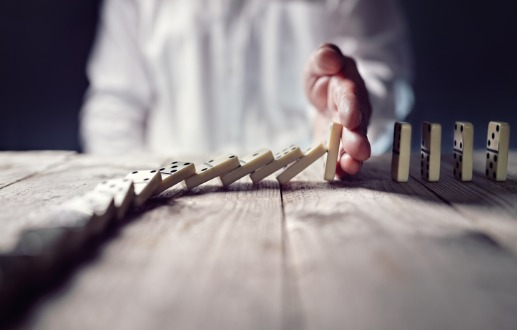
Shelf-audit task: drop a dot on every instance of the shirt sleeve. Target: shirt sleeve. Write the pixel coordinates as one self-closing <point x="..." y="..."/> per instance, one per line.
<point x="113" y="117"/>
<point x="374" y="33"/>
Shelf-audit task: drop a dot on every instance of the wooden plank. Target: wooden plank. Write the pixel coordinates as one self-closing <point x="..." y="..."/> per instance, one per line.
<point x="210" y="258"/>
<point x="373" y="254"/>
<point x="491" y="206"/>
<point x="25" y="202"/>
<point x="367" y="253"/>
<point x="16" y="166"/>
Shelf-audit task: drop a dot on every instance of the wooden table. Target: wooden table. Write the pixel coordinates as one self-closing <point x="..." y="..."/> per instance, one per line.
<point x="367" y="253"/>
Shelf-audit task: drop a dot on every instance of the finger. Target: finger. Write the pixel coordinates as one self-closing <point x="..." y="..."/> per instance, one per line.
<point x="326" y="61"/>
<point x="345" y="98"/>
<point x="351" y="96"/>
<point x="318" y="94"/>
<point x="349" y="165"/>
<point x="356" y="144"/>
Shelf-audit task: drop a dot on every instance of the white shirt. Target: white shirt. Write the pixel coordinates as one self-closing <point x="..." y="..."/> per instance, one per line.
<point x="199" y="76"/>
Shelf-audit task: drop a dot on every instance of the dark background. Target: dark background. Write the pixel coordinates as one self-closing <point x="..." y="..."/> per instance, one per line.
<point x="465" y="64"/>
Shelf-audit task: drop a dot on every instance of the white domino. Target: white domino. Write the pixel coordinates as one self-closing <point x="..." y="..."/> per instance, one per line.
<point x="212" y="169"/>
<point x="98" y="208"/>
<point x="281" y="159"/>
<point x="401" y="151"/>
<point x="122" y="190"/>
<point x="431" y="151"/>
<point x="173" y="173"/>
<point x="145" y="183"/>
<point x="332" y="151"/>
<point x="311" y="155"/>
<point x="497" y="150"/>
<point x="463" y="151"/>
<point x="248" y="164"/>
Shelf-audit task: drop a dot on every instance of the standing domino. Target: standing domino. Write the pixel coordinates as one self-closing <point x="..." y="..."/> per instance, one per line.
<point x="211" y="169"/>
<point x="312" y="154"/>
<point x="431" y="151"/>
<point x="281" y="159"/>
<point x="332" y="151"/>
<point x="401" y="151"/>
<point x="174" y="173"/>
<point x="145" y="184"/>
<point x="497" y="150"/>
<point x="463" y="151"/>
<point x="248" y="164"/>
<point x="122" y="190"/>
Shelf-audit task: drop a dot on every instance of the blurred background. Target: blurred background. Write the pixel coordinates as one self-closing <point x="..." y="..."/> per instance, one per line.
<point x="465" y="67"/>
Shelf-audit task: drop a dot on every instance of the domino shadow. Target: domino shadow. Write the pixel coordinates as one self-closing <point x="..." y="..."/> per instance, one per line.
<point x="42" y="286"/>
<point x="480" y="192"/>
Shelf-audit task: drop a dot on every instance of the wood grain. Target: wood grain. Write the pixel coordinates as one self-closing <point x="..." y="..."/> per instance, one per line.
<point x="490" y="205"/>
<point x="373" y="254"/>
<point x="199" y="260"/>
<point x="28" y="200"/>
<point x="366" y="253"/>
<point x="16" y="166"/>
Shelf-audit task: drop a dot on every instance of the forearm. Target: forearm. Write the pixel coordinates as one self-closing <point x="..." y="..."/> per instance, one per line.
<point x="111" y="124"/>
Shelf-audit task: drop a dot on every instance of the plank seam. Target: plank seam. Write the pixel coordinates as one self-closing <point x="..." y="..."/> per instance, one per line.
<point x="291" y="306"/>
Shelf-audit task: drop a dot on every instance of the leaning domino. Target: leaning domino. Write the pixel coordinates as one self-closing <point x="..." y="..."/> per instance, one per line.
<point x="281" y="159"/>
<point x="212" y="169"/>
<point x="145" y="183"/>
<point x="312" y="154"/>
<point x="173" y="173"/>
<point x="98" y="208"/>
<point x="248" y="164"/>
<point x="122" y="190"/>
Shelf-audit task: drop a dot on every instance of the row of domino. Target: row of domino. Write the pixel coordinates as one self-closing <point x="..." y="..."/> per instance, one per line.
<point x="71" y="225"/>
<point x="496" y="156"/>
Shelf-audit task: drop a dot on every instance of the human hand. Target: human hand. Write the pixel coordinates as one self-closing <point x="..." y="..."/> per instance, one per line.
<point x="335" y="87"/>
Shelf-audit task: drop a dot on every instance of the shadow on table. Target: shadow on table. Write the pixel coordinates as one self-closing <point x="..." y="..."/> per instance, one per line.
<point x="41" y="287"/>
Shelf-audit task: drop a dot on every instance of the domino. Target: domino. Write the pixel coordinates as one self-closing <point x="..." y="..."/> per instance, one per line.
<point x="332" y="151"/>
<point x="497" y="150"/>
<point x="173" y="173"/>
<point x="401" y="151"/>
<point x="43" y="245"/>
<point x="281" y="159"/>
<point x="463" y="151"/>
<point x="90" y="213"/>
<point x="37" y="241"/>
<point x="312" y="154"/>
<point x="145" y="183"/>
<point x="122" y="190"/>
<point x="212" y="169"/>
<point x="77" y="221"/>
<point x="248" y="164"/>
<point x="64" y="232"/>
<point x="431" y="151"/>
